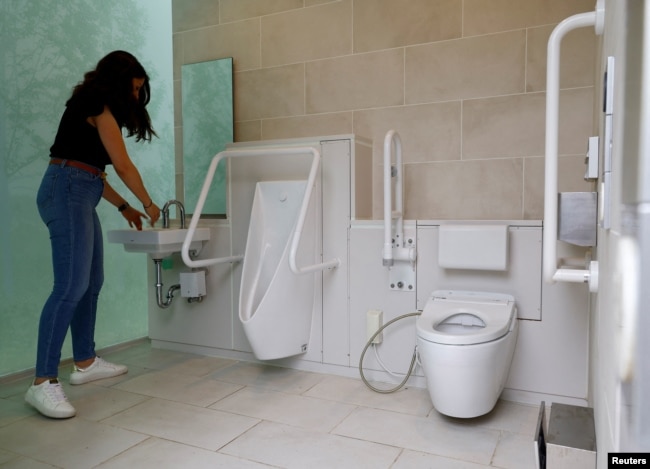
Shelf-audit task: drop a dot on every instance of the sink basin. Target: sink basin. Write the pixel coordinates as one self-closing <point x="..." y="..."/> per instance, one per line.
<point x="157" y="242"/>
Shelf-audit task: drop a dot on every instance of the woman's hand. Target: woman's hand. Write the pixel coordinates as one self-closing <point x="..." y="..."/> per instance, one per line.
<point x="154" y="213"/>
<point x="134" y="217"/>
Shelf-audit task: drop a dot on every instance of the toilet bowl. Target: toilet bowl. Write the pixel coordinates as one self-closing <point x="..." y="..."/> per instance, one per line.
<point x="466" y="341"/>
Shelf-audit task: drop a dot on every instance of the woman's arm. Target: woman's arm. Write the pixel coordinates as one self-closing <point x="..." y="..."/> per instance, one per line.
<point x="111" y="137"/>
<point x="133" y="216"/>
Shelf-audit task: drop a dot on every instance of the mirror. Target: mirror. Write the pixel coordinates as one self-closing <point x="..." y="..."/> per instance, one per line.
<point x="207" y="99"/>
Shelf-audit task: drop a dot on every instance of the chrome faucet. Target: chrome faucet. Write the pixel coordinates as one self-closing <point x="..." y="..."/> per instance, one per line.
<point x="165" y="212"/>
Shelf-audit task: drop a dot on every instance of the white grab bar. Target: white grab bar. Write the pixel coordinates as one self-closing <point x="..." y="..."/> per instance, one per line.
<point x="389" y="215"/>
<point x="295" y="242"/>
<point x="399" y="252"/>
<point x="551" y="272"/>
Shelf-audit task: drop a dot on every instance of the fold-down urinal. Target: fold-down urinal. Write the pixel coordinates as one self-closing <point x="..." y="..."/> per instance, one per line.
<point x="275" y="304"/>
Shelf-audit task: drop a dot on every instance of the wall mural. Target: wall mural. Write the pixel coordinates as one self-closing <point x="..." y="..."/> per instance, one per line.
<point x="46" y="48"/>
<point x="207" y="128"/>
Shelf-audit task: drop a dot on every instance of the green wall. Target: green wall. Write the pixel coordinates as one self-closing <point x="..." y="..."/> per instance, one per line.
<point x="47" y="46"/>
<point x="207" y="97"/>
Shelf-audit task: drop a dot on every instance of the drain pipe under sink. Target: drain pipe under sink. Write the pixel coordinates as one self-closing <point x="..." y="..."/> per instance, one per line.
<point x="159" y="287"/>
<point x="166" y="303"/>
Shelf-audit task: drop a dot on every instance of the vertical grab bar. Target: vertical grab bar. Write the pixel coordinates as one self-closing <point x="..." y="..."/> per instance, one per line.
<point x="551" y="272"/>
<point x="392" y="139"/>
<point x="295" y="242"/>
<point x="400" y="252"/>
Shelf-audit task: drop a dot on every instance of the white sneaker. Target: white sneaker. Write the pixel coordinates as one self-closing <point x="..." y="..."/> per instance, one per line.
<point x="99" y="369"/>
<point x="50" y="400"/>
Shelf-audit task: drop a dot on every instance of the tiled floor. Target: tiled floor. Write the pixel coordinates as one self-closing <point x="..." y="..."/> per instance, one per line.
<point x="179" y="410"/>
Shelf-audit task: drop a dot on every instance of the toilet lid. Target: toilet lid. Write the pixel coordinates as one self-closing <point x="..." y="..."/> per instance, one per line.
<point x="465" y="318"/>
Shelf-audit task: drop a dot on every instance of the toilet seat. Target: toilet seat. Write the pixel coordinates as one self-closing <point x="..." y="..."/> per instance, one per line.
<point x="465" y="318"/>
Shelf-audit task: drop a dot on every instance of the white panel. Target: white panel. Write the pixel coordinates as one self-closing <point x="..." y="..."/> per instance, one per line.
<point x="552" y="355"/>
<point x="522" y="279"/>
<point x="329" y="341"/>
<point x="476" y="247"/>
<point x="369" y="291"/>
<point x="336" y="222"/>
<point x="208" y="323"/>
<point x="361" y="178"/>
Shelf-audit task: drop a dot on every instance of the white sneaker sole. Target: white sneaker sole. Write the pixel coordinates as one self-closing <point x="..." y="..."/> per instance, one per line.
<point x="52" y="413"/>
<point x="83" y="377"/>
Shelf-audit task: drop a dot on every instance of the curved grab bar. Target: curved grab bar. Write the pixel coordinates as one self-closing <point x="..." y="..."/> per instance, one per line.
<point x="394" y="250"/>
<point x="551" y="272"/>
<point x="295" y="241"/>
<point x="391" y="138"/>
<point x="301" y="217"/>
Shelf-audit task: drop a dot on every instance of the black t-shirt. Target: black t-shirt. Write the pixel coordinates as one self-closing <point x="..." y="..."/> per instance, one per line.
<point x="76" y="139"/>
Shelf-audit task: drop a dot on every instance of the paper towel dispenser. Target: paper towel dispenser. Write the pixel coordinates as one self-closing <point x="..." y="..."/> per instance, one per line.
<point x="577" y="218"/>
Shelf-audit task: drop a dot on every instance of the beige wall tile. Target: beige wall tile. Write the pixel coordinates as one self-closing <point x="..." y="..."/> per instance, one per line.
<point x="466" y="68"/>
<point x="505" y="126"/>
<point x="180" y="187"/>
<point x="577" y="58"/>
<point x="571" y="174"/>
<point x="178" y="149"/>
<point x="464" y="190"/>
<point x="355" y="82"/>
<point x="402" y="73"/>
<point x="178" y="103"/>
<point x="234" y="10"/>
<point x="516" y="125"/>
<point x="248" y="131"/>
<point x="488" y="16"/>
<point x="378" y="190"/>
<point x="307" y="34"/>
<point x="270" y="92"/>
<point x="307" y="126"/>
<point x="534" y="187"/>
<point x="311" y="3"/>
<point x="576" y="120"/>
<point x="241" y="41"/>
<point x="384" y="24"/>
<point x="193" y="14"/>
<point x="177" y="45"/>
<point x="571" y="170"/>
<point x="429" y="132"/>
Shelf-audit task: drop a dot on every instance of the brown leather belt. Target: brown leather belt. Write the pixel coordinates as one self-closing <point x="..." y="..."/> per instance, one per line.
<point x="79" y="165"/>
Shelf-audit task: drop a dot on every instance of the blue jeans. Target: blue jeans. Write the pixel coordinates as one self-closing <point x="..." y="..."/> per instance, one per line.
<point x="66" y="202"/>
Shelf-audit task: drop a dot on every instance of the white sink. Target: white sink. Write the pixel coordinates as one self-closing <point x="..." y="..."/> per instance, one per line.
<point x="158" y="242"/>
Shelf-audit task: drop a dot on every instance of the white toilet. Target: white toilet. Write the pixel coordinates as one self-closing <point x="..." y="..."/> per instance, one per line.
<point x="466" y="341"/>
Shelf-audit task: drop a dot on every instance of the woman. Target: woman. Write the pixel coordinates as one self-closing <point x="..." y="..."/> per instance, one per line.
<point x="112" y="97"/>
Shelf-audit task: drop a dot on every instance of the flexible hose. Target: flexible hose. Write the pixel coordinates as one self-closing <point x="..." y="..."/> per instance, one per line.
<point x="369" y="343"/>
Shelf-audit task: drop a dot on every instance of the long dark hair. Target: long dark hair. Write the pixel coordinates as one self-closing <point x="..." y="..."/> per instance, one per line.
<point x="112" y="80"/>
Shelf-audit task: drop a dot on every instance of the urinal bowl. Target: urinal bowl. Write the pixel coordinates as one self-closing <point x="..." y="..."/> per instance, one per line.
<point x="275" y="304"/>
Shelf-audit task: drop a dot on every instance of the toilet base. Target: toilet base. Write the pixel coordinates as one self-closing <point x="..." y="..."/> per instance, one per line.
<point x="465" y="381"/>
